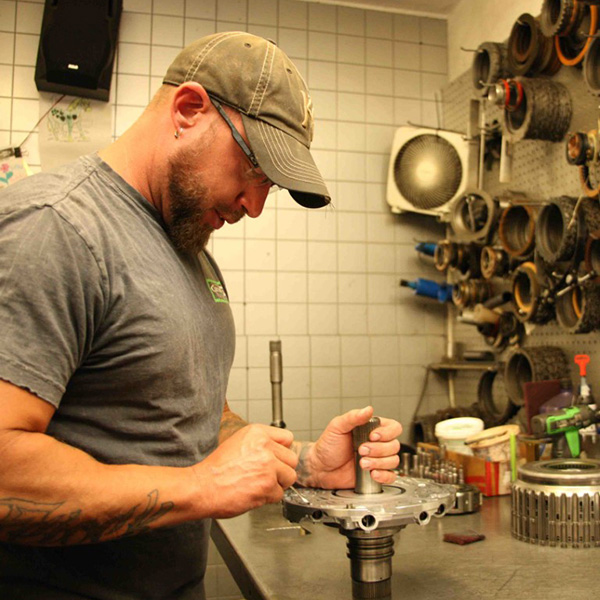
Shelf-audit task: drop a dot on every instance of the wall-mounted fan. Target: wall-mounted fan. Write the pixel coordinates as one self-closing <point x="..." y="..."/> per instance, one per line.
<point x="429" y="169"/>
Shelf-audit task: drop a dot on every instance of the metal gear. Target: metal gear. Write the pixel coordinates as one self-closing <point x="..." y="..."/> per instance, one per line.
<point x="557" y="503"/>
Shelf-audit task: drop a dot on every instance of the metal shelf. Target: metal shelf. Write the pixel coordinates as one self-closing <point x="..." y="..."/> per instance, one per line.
<point x="464" y="365"/>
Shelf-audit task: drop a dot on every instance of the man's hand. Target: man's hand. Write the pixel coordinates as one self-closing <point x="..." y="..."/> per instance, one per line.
<point x="329" y="462"/>
<point x="251" y="468"/>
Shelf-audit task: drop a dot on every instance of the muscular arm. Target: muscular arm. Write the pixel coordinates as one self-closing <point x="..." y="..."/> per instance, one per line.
<point x="54" y="494"/>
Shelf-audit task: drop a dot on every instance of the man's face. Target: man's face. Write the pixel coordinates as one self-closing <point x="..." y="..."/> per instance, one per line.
<point x="191" y="222"/>
<point x="204" y="192"/>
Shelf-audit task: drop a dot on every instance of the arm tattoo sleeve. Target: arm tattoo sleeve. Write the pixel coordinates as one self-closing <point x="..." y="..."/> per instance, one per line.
<point x="303" y="470"/>
<point x="34" y="523"/>
<point x="230" y="423"/>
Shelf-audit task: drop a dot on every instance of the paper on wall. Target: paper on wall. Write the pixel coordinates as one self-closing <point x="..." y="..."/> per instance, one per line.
<point x="73" y="127"/>
<point x="12" y="167"/>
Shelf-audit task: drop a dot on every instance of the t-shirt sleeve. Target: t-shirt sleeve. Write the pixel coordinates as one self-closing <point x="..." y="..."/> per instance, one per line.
<point x="51" y="297"/>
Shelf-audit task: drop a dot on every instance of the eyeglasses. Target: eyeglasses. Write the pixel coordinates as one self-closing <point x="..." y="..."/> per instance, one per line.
<point x="236" y="134"/>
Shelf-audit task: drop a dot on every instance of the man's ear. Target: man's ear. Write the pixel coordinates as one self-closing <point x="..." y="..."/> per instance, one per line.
<point x="189" y="103"/>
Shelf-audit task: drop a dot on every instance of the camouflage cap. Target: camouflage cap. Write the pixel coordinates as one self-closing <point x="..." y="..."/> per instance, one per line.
<point x="255" y="77"/>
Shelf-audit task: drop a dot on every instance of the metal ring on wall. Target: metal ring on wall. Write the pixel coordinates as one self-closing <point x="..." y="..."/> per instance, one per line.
<point x="544" y="114"/>
<point x="529" y="303"/>
<point x="572" y="48"/>
<point x="581" y="147"/>
<point x="535" y="364"/>
<point x="471" y="292"/>
<point x="578" y="308"/>
<point x="473" y="216"/>
<point x="494" y="262"/>
<point x="492" y="399"/>
<point x="446" y="255"/>
<point x="529" y="51"/>
<point x="591" y="67"/>
<point x="489" y="65"/>
<point x="516" y="229"/>
<point x="592" y="255"/>
<point x="560" y="17"/>
<point x="557" y="231"/>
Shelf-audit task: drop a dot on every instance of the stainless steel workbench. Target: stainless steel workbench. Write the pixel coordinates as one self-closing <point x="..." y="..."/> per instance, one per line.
<point x="269" y="559"/>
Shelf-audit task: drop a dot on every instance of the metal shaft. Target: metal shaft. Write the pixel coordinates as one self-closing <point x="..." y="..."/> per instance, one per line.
<point x="276" y="381"/>
<point x="365" y="484"/>
<point x="370" y="557"/>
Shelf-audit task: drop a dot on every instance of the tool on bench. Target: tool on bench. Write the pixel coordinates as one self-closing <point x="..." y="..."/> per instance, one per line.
<point x="564" y="425"/>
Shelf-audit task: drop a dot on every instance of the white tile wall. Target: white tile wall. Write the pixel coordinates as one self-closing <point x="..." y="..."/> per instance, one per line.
<point x="325" y="282"/>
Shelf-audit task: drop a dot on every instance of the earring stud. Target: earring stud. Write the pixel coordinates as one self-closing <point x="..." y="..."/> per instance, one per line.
<point x="178" y="133"/>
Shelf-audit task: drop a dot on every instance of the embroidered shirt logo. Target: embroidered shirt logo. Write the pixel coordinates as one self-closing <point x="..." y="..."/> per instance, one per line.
<point x="217" y="290"/>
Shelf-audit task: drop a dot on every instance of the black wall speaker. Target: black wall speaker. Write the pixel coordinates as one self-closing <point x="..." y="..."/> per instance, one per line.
<point x="77" y="47"/>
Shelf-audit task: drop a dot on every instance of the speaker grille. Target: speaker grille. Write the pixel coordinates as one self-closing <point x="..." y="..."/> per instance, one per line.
<point x="428" y="171"/>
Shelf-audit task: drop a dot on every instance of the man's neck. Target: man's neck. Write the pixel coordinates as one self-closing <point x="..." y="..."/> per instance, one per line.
<point x="134" y="157"/>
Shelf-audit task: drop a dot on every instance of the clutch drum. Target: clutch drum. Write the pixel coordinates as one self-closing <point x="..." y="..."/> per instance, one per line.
<point x="557" y="503"/>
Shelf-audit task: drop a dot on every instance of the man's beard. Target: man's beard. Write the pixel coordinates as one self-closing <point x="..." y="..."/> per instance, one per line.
<point x="189" y="202"/>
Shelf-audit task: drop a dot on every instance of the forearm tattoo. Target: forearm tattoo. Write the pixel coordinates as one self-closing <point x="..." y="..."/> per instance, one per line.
<point x="29" y="522"/>
<point x="303" y="468"/>
<point x="230" y="423"/>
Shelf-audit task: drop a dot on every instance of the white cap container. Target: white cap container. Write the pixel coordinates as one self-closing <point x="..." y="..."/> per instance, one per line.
<point x="493" y="444"/>
<point x="453" y="433"/>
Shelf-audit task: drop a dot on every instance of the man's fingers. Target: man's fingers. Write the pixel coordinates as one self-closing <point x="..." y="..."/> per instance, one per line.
<point x="376" y="449"/>
<point x="388" y="462"/>
<point x="285" y="455"/>
<point x="383" y="476"/>
<point x="388" y="430"/>
<point x="286" y="476"/>
<point x="348" y="421"/>
<point x="282" y="436"/>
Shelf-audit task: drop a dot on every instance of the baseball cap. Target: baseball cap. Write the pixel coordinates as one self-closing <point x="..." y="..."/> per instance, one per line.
<point x="256" y="78"/>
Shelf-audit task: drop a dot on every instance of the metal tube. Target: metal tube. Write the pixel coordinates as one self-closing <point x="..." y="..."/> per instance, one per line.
<point x="276" y="381"/>
<point x="365" y="484"/>
<point x="481" y="144"/>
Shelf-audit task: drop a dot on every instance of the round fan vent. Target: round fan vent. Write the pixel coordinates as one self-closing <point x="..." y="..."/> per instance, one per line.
<point x="428" y="171"/>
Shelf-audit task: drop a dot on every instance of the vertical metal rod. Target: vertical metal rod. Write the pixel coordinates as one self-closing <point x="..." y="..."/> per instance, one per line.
<point x="276" y="381"/>
<point x="481" y="144"/>
<point x="450" y="341"/>
<point x="506" y="160"/>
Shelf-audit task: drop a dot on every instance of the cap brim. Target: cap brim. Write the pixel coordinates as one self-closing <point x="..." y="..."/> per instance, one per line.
<point x="287" y="162"/>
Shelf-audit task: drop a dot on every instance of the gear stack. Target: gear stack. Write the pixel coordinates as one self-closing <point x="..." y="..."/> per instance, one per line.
<point x="557" y="503"/>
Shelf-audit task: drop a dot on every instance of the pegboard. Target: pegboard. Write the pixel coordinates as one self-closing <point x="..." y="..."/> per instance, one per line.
<point x="541" y="172"/>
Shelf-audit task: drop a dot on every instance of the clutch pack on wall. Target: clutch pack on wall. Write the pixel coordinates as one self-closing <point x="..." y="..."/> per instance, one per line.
<point x="77" y="47"/>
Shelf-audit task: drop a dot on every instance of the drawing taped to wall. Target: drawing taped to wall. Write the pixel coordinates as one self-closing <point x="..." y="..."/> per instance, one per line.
<point x="73" y="127"/>
<point x="70" y="124"/>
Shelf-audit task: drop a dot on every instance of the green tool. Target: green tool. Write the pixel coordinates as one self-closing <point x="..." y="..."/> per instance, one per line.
<point x="565" y="424"/>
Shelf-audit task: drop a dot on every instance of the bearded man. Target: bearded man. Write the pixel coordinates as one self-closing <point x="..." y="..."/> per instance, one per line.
<point x="116" y="441"/>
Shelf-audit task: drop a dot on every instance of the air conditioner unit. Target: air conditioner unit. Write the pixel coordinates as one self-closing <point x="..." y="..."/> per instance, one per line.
<point x="429" y="169"/>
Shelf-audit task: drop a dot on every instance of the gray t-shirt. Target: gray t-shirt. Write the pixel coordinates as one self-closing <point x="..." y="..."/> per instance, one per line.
<point x="132" y="342"/>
